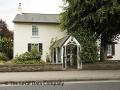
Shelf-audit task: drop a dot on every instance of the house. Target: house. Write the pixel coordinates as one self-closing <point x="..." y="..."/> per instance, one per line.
<point x="38" y="30"/>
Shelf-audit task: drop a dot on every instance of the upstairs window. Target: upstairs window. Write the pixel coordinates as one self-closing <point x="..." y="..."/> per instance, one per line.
<point x="34" y="30"/>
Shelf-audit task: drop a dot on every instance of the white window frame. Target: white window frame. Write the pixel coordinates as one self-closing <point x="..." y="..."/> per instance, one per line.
<point x="35" y="30"/>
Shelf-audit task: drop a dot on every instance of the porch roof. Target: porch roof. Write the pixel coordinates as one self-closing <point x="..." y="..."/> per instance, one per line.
<point x="60" y="42"/>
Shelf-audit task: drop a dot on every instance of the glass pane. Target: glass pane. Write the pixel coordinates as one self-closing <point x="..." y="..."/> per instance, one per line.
<point x="34" y="30"/>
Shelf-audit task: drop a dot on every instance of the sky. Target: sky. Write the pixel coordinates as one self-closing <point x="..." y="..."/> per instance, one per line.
<point x="8" y="8"/>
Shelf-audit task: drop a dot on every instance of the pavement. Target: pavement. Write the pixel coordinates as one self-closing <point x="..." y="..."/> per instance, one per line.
<point x="82" y="75"/>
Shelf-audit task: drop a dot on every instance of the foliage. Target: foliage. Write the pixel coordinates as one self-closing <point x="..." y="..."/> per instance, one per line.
<point x="29" y="62"/>
<point x="6" y="47"/>
<point x="53" y="40"/>
<point x="3" y="57"/>
<point x="100" y="17"/>
<point x="89" y="49"/>
<point x="4" y="31"/>
<point x="33" y="57"/>
<point x="6" y="40"/>
<point x="47" y="58"/>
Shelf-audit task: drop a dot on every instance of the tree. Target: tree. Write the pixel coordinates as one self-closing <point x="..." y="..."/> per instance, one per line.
<point x="4" y="31"/>
<point x="100" y="17"/>
<point x="6" y="40"/>
<point x="6" y="47"/>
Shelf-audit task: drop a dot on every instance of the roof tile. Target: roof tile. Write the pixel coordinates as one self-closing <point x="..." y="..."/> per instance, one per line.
<point x="37" y="18"/>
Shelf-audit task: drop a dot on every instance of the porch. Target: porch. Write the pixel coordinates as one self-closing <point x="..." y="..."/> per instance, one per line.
<point x="67" y="52"/>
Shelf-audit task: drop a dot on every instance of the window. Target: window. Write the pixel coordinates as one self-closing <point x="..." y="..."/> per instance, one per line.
<point x="38" y="46"/>
<point x="110" y="50"/>
<point x="34" y="31"/>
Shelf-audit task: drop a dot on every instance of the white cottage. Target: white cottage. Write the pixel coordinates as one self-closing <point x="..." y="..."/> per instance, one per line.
<point x="37" y="30"/>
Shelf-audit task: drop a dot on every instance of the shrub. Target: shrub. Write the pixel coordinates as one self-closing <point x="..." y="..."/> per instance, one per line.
<point x="89" y="48"/>
<point x="47" y="58"/>
<point x="29" y="62"/>
<point x="6" y="47"/>
<point x="3" y="57"/>
<point x="33" y="57"/>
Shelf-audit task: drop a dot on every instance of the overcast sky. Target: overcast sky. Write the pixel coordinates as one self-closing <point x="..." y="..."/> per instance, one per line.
<point x="8" y="8"/>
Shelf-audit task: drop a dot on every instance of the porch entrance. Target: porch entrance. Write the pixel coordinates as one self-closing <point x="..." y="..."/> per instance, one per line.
<point x="66" y="51"/>
<point x="71" y="56"/>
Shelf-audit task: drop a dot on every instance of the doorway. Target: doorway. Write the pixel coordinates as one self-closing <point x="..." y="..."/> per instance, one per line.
<point x="71" y="56"/>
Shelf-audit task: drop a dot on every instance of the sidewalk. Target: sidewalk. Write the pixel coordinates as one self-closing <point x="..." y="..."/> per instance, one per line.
<point x="61" y="75"/>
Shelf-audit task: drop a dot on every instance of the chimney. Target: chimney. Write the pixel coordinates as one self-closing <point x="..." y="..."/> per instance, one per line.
<point x="19" y="10"/>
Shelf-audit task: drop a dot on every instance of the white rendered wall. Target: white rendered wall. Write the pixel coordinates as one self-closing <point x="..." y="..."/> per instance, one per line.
<point x="23" y="36"/>
<point x="117" y="52"/>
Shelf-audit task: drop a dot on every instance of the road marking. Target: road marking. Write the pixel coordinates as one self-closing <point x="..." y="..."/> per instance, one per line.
<point x="71" y="82"/>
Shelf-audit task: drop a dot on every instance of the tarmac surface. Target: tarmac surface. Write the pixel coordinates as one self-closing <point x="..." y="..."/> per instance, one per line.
<point x="83" y="75"/>
<point x="83" y="85"/>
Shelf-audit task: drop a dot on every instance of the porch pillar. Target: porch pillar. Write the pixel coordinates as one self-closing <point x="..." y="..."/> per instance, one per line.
<point x="65" y="58"/>
<point x="56" y="55"/>
<point x="52" y="58"/>
<point x="62" y="55"/>
<point x="78" y="57"/>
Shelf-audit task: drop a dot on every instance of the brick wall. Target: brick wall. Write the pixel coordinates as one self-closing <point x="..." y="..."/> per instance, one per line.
<point x="30" y="68"/>
<point x="101" y="66"/>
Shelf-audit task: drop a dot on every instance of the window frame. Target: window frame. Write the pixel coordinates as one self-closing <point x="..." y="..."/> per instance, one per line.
<point x="35" y="30"/>
<point x="35" y="45"/>
<point x="110" y="50"/>
<point x="39" y="48"/>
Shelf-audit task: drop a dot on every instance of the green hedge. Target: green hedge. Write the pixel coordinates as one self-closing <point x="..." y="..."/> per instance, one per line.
<point x="33" y="57"/>
<point x="29" y="62"/>
<point x="3" y="57"/>
<point x="89" y="47"/>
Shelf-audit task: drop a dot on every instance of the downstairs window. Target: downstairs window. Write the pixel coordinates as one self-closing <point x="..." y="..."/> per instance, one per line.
<point x="38" y="46"/>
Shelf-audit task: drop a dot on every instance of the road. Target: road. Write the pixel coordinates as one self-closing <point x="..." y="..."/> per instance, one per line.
<point x="83" y="85"/>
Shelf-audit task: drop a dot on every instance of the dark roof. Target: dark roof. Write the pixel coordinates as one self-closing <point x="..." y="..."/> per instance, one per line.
<point x="60" y="42"/>
<point x="37" y="18"/>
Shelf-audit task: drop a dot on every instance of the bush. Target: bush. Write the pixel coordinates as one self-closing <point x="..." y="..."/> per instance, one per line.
<point x="29" y="62"/>
<point x="3" y="57"/>
<point x="6" y="47"/>
<point x="89" y="48"/>
<point x="33" y="57"/>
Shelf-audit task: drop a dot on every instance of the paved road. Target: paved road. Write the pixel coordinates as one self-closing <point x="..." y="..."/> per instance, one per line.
<point x="84" y="85"/>
<point x="61" y="75"/>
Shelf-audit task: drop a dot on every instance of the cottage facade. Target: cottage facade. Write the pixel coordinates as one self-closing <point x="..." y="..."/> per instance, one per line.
<point x="30" y="30"/>
<point x="39" y="30"/>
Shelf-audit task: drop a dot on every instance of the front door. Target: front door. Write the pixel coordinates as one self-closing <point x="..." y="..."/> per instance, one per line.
<point x="71" y="53"/>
